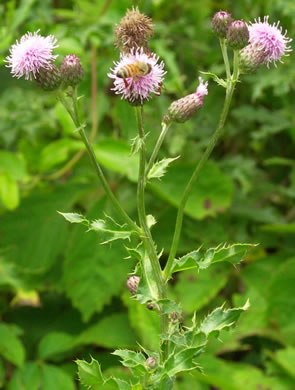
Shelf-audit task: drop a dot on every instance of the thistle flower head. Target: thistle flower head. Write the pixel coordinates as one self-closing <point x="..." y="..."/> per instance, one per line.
<point x="30" y="54"/>
<point x="183" y="109"/>
<point x="133" y="31"/>
<point x="137" y="75"/>
<point x="220" y="23"/>
<point x="71" y="70"/>
<point x="49" y="79"/>
<point x="237" y="35"/>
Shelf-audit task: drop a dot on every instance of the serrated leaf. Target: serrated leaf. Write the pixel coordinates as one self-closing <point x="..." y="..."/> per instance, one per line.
<point x="90" y="374"/>
<point x="232" y="253"/>
<point x="169" y="306"/>
<point x="214" y="77"/>
<point x="73" y="217"/>
<point x="110" y="229"/>
<point x="132" y="359"/>
<point x="160" y="168"/>
<point x="220" y="319"/>
<point x="182" y="361"/>
<point x="11" y="347"/>
<point x="122" y="385"/>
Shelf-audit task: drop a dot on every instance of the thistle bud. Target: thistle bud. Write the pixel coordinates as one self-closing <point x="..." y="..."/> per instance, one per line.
<point x="133" y="32"/>
<point x="251" y="58"/>
<point x="150" y="363"/>
<point x="71" y="70"/>
<point x="183" y="109"/>
<point x="49" y="79"/>
<point x="220" y="23"/>
<point x="238" y="35"/>
<point x="132" y="283"/>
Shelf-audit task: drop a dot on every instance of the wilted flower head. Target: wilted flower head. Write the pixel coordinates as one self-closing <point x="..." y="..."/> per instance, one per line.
<point x="267" y="44"/>
<point x="183" y="109"/>
<point x="30" y="54"/>
<point x="133" y="31"/>
<point x="137" y="75"/>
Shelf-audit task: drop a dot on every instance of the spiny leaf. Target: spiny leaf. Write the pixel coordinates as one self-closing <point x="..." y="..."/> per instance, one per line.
<point x="110" y="229"/>
<point x="74" y="217"/>
<point x="90" y="374"/>
<point x="233" y="254"/>
<point x="220" y="319"/>
<point x="160" y="168"/>
<point x="182" y="361"/>
<point x="214" y="77"/>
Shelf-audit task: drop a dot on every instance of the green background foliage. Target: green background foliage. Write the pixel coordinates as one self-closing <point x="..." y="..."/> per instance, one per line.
<point x="63" y="295"/>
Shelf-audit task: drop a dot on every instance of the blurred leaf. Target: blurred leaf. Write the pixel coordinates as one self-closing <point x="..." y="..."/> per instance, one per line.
<point x="90" y="374"/>
<point x="211" y="194"/>
<point x="12" y="164"/>
<point x="9" y="194"/>
<point x="58" y="152"/>
<point x="285" y="359"/>
<point x="10" y="346"/>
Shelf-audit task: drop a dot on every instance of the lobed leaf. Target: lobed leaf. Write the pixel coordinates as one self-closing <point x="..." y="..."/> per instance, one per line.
<point x="160" y="168"/>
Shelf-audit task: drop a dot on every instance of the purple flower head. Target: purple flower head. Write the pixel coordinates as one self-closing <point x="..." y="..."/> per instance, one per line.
<point x="30" y="54"/>
<point x="131" y="82"/>
<point x="270" y="39"/>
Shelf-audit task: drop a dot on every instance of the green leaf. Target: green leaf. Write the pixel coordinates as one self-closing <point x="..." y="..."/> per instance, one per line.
<point x="169" y="306"/>
<point x="214" y="77"/>
<point x="110" y="230"/>
<point x="73" y="217"/>
<point x="93" y="274"/>
<point x="211" y="194"/>
<point x="11" y="163"/>
<point x="182" y="361"/>
<point x="122" y="385"/>
<point x="55" y="378"/>
<point x="285" y="359"/>
<point x="34" y="234"/>
<point x="220" y="319"/>
<point x="26" y="378"/>
<point x="58" y="152"/>
<point x="115" y="155"/>
<point x="10" y="346"/>
<point x="232" y="253"/>
<point x="55" y="343"/>
<point x="90" y="374"/>
<point x="160" y="168"/>
<point x="132" y="359"/>
<point x="9" y="194"/>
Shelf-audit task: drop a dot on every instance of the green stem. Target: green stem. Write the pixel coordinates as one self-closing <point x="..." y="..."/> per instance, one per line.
<point x="165" y="127"/>
<point x="146" y="236"/>
<point x="225" y="57"/>
<point x="216" y="136"/>
<point x="75" y="117"/>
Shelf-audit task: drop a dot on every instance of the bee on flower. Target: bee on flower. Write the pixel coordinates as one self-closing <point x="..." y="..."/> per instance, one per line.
<point x="137" y="75"/>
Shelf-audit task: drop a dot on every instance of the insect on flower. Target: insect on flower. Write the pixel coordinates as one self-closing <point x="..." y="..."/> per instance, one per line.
<point x="136" y="71"/>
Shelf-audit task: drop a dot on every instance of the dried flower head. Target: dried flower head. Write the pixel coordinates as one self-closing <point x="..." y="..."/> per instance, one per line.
<point x="30" y="54"/>
<point x="220" y="23"/>
<point x="183" y="109"/>
<point x="137" y="75"/>
<point x="71" y="70"/>
<point x="269" y="40"/>
<point x="133" y="31"/>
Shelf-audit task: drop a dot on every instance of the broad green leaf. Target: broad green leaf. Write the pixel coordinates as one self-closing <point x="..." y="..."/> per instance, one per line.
<point x="90" y="374"/>
<point x="9" y="275"/>
<point x="281" y="307"/>
<point x="160" y="168"/>
<point x="55" y="378"/>
<point x="115" y="155"/>
<point x="26" y="378"/>
<point x="11" y="347"/>
<point x="226" y="375"/>
<point x="110" y="332"/>
<point x="232" y="253"/>
<point x="11" y="163"/>
<point x="93" y="273"/>
<point x="58" y="152"/>
<point x="285" y="359"/>
<point x="54" y="343"/>
<point x="211" y="194"/>
<point x="220" y="319"/>
<point x="34" y="234"/>
<point x="9" y="194"/>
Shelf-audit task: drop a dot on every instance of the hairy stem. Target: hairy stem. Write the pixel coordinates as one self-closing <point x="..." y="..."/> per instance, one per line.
<point x="75" y="117"/>
<point x="213" y="141"/>
<point x="225" y="57"/>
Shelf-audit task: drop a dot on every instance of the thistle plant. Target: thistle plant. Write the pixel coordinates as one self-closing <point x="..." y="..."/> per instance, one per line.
<point x="137" y="77"/>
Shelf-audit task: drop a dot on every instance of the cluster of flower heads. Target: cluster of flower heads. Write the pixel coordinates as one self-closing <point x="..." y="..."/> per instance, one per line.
<point x="32" y="57"/>
<point x="259" y="42"/>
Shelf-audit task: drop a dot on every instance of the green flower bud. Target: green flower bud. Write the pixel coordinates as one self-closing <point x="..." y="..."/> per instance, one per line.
<point x="150" y="363"/>
<point x="71" y="70"/>
<point x="238" y="35"/>
<point x="49" y="79"/>
<point x="251" y="58"/>
<point x="220" y="23"/>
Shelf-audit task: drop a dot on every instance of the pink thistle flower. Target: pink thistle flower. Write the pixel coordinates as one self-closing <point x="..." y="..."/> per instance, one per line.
<point x="138" y="85"/>
<point x="270" y="39"/>
<point x="30" y="54"/>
